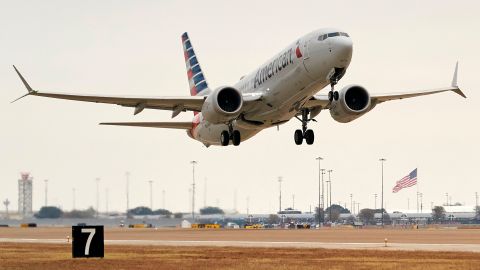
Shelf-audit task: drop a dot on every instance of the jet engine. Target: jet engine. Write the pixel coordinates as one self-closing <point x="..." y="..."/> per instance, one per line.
<point x="353" y="101"/>
<point x="222" y="105"/>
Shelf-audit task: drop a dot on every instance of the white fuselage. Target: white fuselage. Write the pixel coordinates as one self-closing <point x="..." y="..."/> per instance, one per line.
<point x="285" y="82"/>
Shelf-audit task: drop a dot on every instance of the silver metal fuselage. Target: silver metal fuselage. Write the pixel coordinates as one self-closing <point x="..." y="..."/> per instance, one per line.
<point x="285" y="82"/>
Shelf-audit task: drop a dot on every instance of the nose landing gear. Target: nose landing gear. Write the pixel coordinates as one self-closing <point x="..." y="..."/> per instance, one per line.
<point x="332" y="94"/>
<point x="231" y="134"/>
<point x="304" y="133"/>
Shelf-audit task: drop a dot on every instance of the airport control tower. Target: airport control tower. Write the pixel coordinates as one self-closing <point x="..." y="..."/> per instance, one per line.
<point x="25" y="195"/>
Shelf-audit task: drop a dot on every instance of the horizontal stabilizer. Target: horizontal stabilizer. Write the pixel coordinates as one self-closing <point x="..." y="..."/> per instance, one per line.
<point x="174" y="125"/>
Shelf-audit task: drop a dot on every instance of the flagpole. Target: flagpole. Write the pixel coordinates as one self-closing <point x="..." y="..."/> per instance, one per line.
<point x="418" y="192"/>
<point x="382" y="160"/>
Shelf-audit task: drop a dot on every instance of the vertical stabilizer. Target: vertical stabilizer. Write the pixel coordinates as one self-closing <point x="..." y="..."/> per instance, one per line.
<point x="196" y="79"/>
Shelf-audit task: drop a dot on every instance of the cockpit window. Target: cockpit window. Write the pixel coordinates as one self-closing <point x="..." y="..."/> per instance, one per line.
<point x="334" y="34"/>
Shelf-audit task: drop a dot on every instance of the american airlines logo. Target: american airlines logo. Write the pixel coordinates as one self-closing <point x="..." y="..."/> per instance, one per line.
<point x="273" y="67"/>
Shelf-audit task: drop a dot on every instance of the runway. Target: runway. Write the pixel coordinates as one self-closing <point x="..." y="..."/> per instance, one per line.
<point x="272" y="244"/>
<point x="426" y="240"/>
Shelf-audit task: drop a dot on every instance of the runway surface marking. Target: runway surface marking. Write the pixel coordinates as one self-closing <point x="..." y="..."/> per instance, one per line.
<point x="279" y="244"/>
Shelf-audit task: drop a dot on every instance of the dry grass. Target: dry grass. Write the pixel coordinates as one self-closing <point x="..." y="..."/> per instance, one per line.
<point x="52" y="257"/>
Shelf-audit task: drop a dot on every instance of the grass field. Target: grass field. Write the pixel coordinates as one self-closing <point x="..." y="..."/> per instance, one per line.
<point x="58" y="256"/>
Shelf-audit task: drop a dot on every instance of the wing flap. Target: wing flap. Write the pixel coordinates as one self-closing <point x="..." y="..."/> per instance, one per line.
<point x="173" y="125"/>
<point x="318" y="101"/>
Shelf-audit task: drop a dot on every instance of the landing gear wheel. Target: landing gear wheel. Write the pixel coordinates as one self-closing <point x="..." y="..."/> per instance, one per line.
<point x="224" y="138"/>
<point x="298" y="136"/>
<point x="336" y="95"/>
<point x="330" y="96"/>
<point x="309" y="136"/>
<point x="236" y="137"/>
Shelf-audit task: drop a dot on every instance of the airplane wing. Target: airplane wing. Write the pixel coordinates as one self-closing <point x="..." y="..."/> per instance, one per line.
<point x="174" y="125"/>
<point x="322" y="102"/>
<point x="175" y="104"/>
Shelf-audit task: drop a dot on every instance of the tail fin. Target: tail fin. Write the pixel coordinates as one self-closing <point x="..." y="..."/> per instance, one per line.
<point x="196" y="79"/>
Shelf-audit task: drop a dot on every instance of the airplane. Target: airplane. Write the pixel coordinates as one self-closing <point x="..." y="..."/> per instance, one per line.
<point x="282" y="88"/>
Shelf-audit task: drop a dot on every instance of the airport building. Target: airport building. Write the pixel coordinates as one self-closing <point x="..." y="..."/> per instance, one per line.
<point x="25" y="196"/>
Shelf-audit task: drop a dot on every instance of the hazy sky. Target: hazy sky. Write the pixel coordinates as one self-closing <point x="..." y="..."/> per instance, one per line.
<point x="134" y="48"/>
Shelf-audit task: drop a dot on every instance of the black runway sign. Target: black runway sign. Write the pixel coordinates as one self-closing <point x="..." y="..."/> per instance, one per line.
<point x="87" y="241"/>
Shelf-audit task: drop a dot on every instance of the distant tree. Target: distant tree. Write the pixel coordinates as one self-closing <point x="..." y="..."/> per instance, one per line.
<point x="367" y="215"/>
<point x="49" y="212"/>
<point x="178" y="215"/>
<point x="88" y="213"/>
<point x="438" y="213"/>
<point x="273" y="219"/>
<point x="335" y="215"/>
<point x="340" y="209"/>
<point x="210" y="210"/>
<point x="163" y="212"/>
<point x="140" y="211"/>
<point x="319" y="214"/>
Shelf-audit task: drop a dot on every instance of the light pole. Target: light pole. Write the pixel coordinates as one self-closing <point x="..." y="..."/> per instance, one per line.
<point x="375" y="195"/>
<point x="421" y="202"/>
<point x="351" y="203"/>
<point x="46" y="192"/>
<point x="127" y="175"/>
<point x="323" y="190"/>
<point x="330" y="195"/>
<point x="319" y="185"/>
<point x="150" y="182"/>
<point x="293" y="201"/>
<point x="73" y="199"/>
<point x="193" y="162"/>
<point x="328" y="190"/>
<point x="248" y="205"/>
<point x="446" y="196"/>
<point x="97" y="181"/>
<point x="476" y="205"/>
<point x="382" y="160"/>
<point x="6" y="203"/>
<point x="280" y="194"/>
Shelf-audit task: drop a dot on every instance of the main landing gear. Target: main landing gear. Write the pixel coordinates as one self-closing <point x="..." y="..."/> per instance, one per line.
<point x="304" y="133"/>
<point x="231" y="134"/>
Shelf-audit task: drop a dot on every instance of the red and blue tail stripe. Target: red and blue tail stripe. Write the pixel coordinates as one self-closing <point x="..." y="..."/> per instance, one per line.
<point x="196" y="79"/>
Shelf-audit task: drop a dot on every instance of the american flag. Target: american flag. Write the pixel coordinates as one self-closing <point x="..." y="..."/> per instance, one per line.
<point x="407" y="181"/>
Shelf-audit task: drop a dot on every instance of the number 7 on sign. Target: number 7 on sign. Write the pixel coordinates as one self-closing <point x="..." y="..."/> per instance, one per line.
<point x="91" y="232"/>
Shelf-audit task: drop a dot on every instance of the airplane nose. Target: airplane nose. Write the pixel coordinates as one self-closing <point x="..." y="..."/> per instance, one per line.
<point x="342" y="47"/>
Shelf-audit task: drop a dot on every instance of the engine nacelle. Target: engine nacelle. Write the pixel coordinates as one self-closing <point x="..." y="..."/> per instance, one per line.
<point x="222" y="105"/>
<point x="353" y="102"/>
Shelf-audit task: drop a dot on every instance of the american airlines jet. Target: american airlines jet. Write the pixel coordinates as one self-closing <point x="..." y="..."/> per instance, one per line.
<point x="282" y="88"/>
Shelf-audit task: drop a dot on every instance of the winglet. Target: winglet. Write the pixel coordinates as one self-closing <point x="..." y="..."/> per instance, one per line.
<point x="454" y="82"/>
<point x="29" y="89"/>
